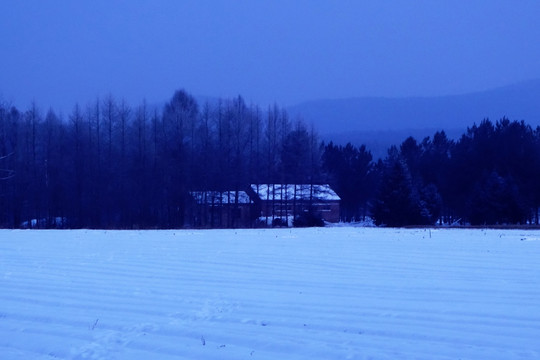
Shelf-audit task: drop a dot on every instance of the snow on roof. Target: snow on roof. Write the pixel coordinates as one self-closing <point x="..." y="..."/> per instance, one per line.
<point x="295" y="192"/>
<point x="220" y="197"/>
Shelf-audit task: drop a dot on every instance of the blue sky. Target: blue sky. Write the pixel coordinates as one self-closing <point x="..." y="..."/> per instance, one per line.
<point x="62" y="52"/>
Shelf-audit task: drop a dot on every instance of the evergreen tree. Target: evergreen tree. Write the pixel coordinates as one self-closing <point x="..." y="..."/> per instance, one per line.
<point x="398" y="202"/>
<point x="350" y="172"/>
<point x="496" y="200"/>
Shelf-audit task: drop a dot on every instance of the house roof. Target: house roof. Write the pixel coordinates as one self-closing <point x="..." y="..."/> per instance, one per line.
<point x="299" y="192"/>
<point x="220" y="197"/>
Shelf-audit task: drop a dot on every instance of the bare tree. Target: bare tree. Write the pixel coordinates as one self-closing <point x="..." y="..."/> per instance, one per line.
<point x="77" y="189"/>
<point x="5" y="173"/>
<point x="179" y="117"/>
<point x="6" y="149"/>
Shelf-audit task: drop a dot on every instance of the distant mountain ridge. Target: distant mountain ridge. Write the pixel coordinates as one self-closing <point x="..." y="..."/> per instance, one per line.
<point x="380" y="122"/>
<point x="517" y="102"/>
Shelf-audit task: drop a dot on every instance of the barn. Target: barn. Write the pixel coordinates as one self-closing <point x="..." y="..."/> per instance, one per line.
<point x="287" y="201"/>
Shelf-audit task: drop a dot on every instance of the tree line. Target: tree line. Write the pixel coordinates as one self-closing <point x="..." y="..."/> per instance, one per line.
<point x="111" y="165"/>
<point x="488" y="176"/>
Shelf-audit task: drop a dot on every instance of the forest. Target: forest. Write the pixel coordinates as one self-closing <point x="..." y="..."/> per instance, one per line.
<point x="109" y="165"/>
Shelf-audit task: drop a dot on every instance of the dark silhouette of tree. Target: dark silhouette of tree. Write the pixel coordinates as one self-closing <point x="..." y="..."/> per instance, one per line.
<point x="436" y="175"/>
<point x="179" y="115"/>
<point x="55" y="176"/>
<point x="502" y="157"/>
<point x="78" y="189"/>
<point x="114" y="166"/>
<point x="350" y="172"/>
<point x="296" y="156"/>
<point x="496" y="200"/>
<point x="398" y="202"/>
<point x="419" y="159"/>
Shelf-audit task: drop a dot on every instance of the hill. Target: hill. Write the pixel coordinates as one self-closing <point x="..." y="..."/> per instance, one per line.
<point x="367" y="118"/>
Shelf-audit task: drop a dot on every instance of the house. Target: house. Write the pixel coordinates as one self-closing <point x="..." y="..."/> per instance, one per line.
<point x="287" y="201"/>
<point x="222" y="209"/>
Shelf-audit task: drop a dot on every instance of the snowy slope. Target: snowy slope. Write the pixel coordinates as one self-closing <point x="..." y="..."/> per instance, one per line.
<point x="332" y="293"/>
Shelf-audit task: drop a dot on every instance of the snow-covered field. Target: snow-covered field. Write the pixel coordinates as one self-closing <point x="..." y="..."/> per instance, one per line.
<point x="332" y="293"/>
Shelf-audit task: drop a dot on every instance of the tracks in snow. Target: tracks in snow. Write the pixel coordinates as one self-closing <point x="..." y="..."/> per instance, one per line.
<point x="302" y="293"/>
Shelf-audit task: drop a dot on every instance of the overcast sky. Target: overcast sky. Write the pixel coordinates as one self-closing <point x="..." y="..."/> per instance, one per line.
<point x="286" y="51"/>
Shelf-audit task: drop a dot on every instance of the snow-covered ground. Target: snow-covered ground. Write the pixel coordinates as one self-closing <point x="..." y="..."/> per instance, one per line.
<point x="331" y="293"/>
